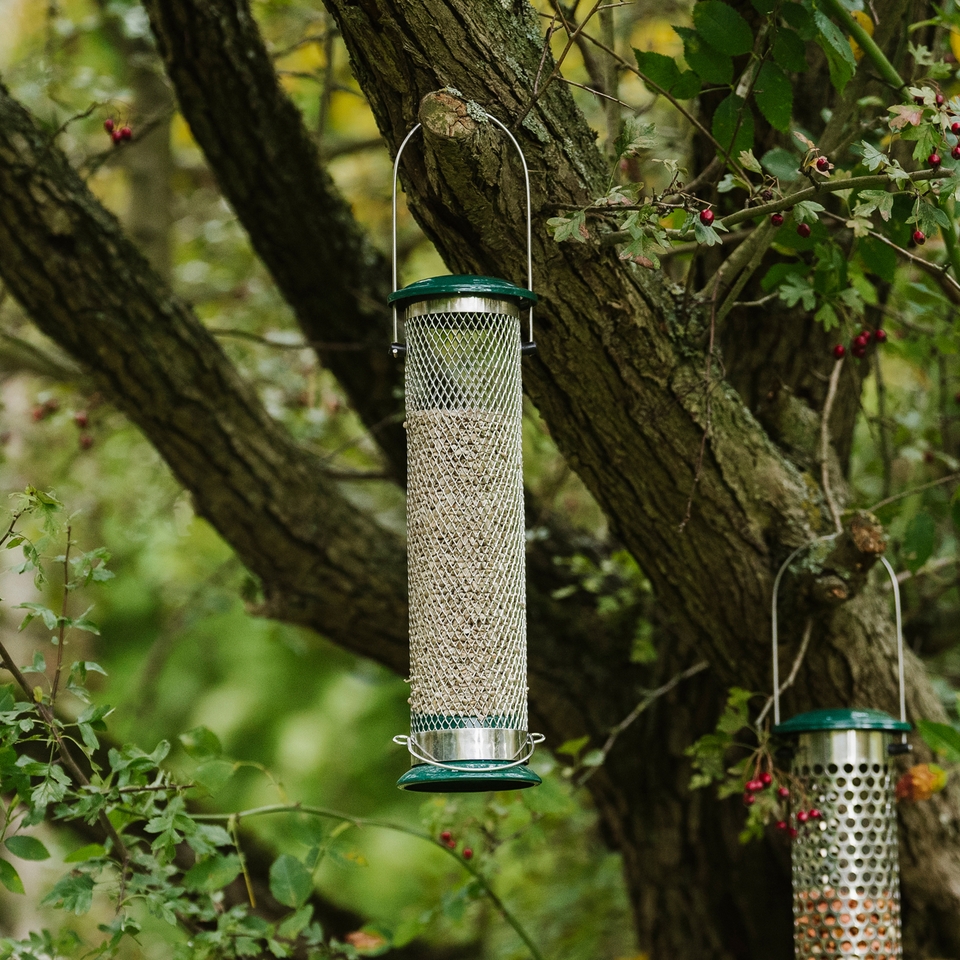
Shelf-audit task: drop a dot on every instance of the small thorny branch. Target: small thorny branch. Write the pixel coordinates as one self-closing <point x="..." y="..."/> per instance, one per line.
<point x="794" y="670"/>
<point x="62" y="626"/>
<point x="825" y="445"/>
<point x="648" y="699"/>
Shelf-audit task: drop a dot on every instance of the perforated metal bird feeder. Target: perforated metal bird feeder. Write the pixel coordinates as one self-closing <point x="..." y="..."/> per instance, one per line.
<point x="465" y="527"/>
<point x="845" y="864"/>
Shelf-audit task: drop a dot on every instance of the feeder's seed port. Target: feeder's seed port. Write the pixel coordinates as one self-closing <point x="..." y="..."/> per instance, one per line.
<point x="527" y="349"/>
<point x="897" y="749"/>
<point x="398" y="350"/>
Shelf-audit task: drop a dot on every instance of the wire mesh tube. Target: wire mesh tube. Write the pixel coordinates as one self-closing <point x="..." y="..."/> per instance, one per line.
<point x="465" y="530"/>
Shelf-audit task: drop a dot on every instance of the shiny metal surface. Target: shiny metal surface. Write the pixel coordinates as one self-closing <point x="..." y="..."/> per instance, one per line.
<point x="481" y="743"/>
<point x="468" y="304"/>
<point x="846" y="880"/>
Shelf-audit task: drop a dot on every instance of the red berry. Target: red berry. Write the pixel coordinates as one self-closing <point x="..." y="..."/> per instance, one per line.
<point x="815" y="814"/>
<point x="919" y="238"/>
<point x="928" y="457"/>
<point x="706" y="217"/>
<point x="934" y="160"/>
<point x="467" y="853"/>
<point x="838" y="351"/>
<point x="939" y="99"/>
<point x="782" y="824"/>
<point x="38" y="413"/>
<point x="749" y="799"/>
<point x="823" y="164"/>
<point x="86" y="441"/>
<point x="880" y="335"/>
<point x="766" y="779"/>
<point x="126" y="133"/>
<point x="115" y="136"/>
<point x="776" y="219"/>
<point x="858" y="351"/>
<point x="803" y="816"/>
<point x="108" y="124"/>
<point x="793" y="833"/>
<point x="955" y="152"/>
<point x="446" y="836"/>
<point x="861" y="340"/>
<point x="80" y="418"/>
<point x="804" y="230"/>
<point x="955" y="126"/>
<point x="783" y="793"/>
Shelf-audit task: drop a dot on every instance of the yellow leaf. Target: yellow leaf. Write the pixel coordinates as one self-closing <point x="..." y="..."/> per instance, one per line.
<point x="955" y="43"/>
<point x="38" y="694"/>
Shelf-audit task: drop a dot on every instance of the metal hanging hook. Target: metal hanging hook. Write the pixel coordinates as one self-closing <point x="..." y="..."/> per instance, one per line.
<point x="526" y="181"/>
<point x="773" y="618"/>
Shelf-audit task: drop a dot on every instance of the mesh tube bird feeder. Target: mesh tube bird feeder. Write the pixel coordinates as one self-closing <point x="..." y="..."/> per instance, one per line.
<point x="465" y="526"/>
<point x="845" y="865"/>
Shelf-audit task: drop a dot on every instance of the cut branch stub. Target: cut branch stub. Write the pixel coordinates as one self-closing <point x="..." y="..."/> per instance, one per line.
<point x="843" y="573"/>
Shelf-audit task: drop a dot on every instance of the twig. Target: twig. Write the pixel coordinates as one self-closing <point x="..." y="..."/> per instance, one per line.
<point x="794" y="670"/>
<point x="647" y="700"/>
<point x="929" y="567"/>
<point x="950" y="478"/>
<point x="62" y="628"/>
<point x="299" y="345"/>
<point x="385" y="825"/>
<point x="825" y="444"/>
<point x="884" y="427"/>
<point x="597" y="93"/>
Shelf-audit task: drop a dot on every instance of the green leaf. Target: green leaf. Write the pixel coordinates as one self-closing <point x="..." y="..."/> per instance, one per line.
<point x="723" y="28"/>
<point x="773" y="93"/>
<point x="797" y="288"/>
<point x="827" y="316"/>
<point x="764" y="7"/>
<point x="708" y="64"/>
<point x="918" y="541"/>
<point x="799" y="18"/>
<point x="572" y="748"/>
<point x="10" y="878"/>
<point x="782" y="164"/>
<point x="214" y="873"/>
<point x="790" y="51"/>
<point x="807" y="211"/>
<point x="296" y="922"/>
<point x="27" y="848"/>
<point x="73" y="893"/>
<point x="290" y="883"/>
<point x="664" y="72"/>
<point x="49" y="618"/>
<point x="941" y="738"/>
<point x="733" y="125"/>
<point x="214" y="774"/>
<point x="706" y="235"/>
<point x="201" y="743"/>
<point x="837" y="48"/>
<point x="570" y="228"/>
<point x="878" y="258"/>
<point x="89" y="852"/>
<point x="635" y="135"/>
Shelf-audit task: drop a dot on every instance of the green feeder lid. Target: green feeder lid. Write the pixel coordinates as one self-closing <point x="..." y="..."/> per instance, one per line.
<point x="838" y="718"/>
<point x="475" y="776"/>
<point x="463" y="285"/>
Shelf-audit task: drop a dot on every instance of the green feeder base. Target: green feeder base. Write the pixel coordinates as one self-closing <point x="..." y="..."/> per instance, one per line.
<point x="426" y="778"/>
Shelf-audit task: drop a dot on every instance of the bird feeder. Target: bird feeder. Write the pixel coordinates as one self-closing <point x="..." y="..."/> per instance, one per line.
<point x="845" y="864"/>
<point x="465" y="525"/>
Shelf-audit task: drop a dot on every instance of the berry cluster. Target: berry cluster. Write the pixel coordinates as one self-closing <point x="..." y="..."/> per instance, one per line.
<point x="81" y="418"/>
<point x="858" y="346"/>
<point x="446" y="838"/>
<point x="803" y="816"/>
<point x="117" y="134"/>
